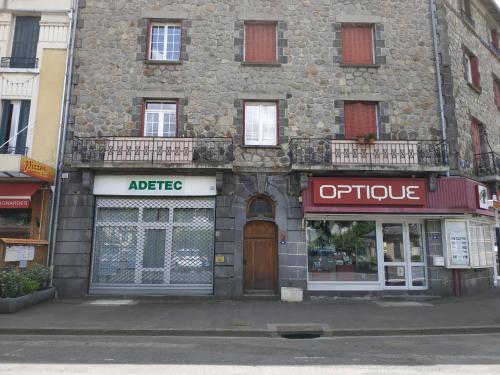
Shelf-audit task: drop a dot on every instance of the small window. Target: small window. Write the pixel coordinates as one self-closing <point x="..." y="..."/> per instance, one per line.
<point x="165" y="42"/>
<point x="496" y="91"/>
<point x="14" y="126"/>
<point x="261" y="206"/>
<point x="260" y="124"/>
<point x="260" y="43"/>
<point x="467" y="9"/>
<point x="357" y="44"/>
<point x="25" y="42"/>
<point x="360" y="119"/>
<point x="494" y="40"/>
<point x="160" y="119"/>
<point x="471" y="63"/>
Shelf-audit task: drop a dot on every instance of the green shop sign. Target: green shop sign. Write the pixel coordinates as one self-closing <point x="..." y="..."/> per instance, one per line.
<point x="155" y="185"/>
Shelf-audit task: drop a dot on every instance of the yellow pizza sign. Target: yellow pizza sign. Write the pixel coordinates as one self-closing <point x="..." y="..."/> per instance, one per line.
<point x="35" y="169"/>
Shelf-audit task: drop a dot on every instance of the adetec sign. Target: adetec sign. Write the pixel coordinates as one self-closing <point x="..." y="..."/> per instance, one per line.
<point x="370" y="191"/>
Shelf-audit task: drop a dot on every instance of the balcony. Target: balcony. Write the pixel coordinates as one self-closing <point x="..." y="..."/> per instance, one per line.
<point x="19" y="63"/>
<point x="488" y="166"/>
<point x="14" y="151"/>
<point x="324" y="154"/>
<point x="150" y="152"/>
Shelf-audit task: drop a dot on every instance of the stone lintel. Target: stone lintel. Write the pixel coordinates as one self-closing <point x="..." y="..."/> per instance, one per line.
<point x="252" y="16"/>
<point x="150" y="94"/>
<point x="178" y="14"/>
<point x="260" y="96"/>
<point x="364" y="97"/>
<point x="358" y="18"/>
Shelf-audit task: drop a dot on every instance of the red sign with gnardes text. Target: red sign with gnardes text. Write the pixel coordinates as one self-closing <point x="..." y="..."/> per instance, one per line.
<point x="370" y="191"/>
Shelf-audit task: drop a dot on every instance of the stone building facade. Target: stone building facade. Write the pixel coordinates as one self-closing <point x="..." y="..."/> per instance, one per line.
<point x="259" y="190"/>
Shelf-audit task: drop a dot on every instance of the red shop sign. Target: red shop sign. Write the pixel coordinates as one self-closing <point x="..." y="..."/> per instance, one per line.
<point x="370" y="191"/>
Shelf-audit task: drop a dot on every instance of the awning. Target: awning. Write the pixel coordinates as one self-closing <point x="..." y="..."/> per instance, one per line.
<point x="17" y="195"/>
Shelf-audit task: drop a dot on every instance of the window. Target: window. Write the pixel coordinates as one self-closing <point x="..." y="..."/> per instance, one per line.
<point x="165" y="42"/>
<point x="357" y="44"/>
<point x="160" y="119"/>
<point x="360" y="119"/>
<point x="476" y="134"/>
<point x="25" y="42"/>
<point x="260" y="124"/>
<point x="260" y="43"/>
<point x="471" y="63"/>
<point x="467" y="9"/>
<point x="260" y="206"/>
<point x="494" y="40"/>
<point x="496" y="91"/>
<point x="14" y="126"/>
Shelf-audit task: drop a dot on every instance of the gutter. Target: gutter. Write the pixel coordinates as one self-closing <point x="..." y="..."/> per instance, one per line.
<point x="439" y="81"/>
<point x="54" y="212"/>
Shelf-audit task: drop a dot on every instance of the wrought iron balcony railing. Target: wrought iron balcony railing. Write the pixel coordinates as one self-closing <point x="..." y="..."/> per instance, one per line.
<point x="487" y="164"/>
<point x="310" y="152"/>
<point x="19" y="62"/>
<point x="14" y="150"/>
<point x="152" y="150"/>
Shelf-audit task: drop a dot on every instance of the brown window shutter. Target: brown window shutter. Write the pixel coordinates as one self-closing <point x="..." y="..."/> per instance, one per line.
<point x="260" y="43"/>
<point x="494" y="38"/>
<point x="476" y="140"/>
<point x="476" y="79"/>
<point x="357" y="44"/>
<point x="360" y="119"/>
<point x="496" y="89"/>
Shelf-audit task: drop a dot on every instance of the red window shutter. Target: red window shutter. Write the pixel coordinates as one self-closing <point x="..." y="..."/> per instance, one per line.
<point x="357" y="44"/>
<point x="494" y="38"/>
<point x="474" y="65"/>
<point x="360" y="119"/>
<point x="476" y="140"/>
<point x="260" y="43"/>
<point x="496" y="89"/>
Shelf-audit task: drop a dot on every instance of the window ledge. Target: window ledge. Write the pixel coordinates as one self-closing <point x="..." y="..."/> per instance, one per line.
<point x="272" y="64"/>
<point x="20" y="70"/>
<point x="163" y="62"/>
<point x="477" y="89"/>
<point x="261" y="146"/>
<point x="345" y="65"/>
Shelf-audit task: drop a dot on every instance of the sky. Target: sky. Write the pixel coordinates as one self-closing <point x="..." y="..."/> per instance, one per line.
<point x="498" y="2"/>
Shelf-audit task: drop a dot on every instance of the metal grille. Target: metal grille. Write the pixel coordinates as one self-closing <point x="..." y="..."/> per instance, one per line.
<point x="153" y="245"/>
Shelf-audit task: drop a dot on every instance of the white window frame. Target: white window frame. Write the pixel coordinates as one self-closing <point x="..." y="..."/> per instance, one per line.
<point x="166" y="27"/>
<point x="261" y="139"/>
<point x="161" y="117"/>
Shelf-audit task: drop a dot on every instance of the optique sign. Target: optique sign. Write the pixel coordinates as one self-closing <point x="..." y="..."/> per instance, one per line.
<point x="370" y="191"/>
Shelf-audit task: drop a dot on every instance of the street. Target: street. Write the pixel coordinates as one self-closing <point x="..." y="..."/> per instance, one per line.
<point x="457" y="354"/>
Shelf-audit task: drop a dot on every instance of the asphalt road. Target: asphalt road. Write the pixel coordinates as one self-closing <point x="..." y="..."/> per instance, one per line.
<point x="467" y="354"/>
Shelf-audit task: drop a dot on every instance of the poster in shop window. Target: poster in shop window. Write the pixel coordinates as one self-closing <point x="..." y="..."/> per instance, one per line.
<point x="459" y="248"/>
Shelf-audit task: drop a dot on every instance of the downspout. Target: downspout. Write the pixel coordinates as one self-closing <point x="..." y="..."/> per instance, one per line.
<point x="66" y="102"/>
<point x="439" y="82"/>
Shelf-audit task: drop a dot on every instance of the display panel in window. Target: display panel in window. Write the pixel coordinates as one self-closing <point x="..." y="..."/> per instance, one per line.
<point x="357" y="44"/>
<point x="261" y="124"/>
<point x="342" y="250"/>
<point x="160" y="119"/>
<point x="260" y="43"/>
<point x="165" y="42"/>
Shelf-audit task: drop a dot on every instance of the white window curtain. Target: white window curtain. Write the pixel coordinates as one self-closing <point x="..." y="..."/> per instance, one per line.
<point x="160" y="119"/>
<point x="260" y="124"/>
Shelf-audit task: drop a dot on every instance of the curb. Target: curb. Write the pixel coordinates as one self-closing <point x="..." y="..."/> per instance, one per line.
<point x="247" y="333"/>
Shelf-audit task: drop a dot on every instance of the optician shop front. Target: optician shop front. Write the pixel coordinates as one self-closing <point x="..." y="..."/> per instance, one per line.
<point x="376" y="234"/>
<point x="153" y="234"/>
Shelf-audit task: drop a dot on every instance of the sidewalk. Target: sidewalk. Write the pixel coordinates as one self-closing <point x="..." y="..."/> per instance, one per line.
<point x="329" y="317"/>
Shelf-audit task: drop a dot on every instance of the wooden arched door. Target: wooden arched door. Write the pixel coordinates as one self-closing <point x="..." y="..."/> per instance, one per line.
<point x="260" y="257"/>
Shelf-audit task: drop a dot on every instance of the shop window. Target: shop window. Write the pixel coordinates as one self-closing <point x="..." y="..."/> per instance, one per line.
<point x="15" y="223"/>
<point x="360" y="119"/>
<point x="261" y="124"/>
<point x="342" y="251"/>
<point x="260" y="206"/>
<point x="260" y="42"/>
<point x="471" y="64"/>
<point x="160" y="119"/>
<point x="357" y="44"/>
<point x="14" y="126"/>
<point x="164" y="42"/>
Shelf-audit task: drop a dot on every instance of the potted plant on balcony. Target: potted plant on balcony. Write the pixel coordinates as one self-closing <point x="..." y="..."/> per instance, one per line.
<point x="21" y="289"/>
<point x="370" y="138"/>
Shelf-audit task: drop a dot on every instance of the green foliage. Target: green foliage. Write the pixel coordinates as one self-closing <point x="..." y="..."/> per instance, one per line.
<point x="40" y="274"/>
<point x="15" y="283"/>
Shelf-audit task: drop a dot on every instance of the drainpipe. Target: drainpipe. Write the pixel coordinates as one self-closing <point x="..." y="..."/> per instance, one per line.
<point x="439" y="81"/>
<point x="54" y="212"/>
